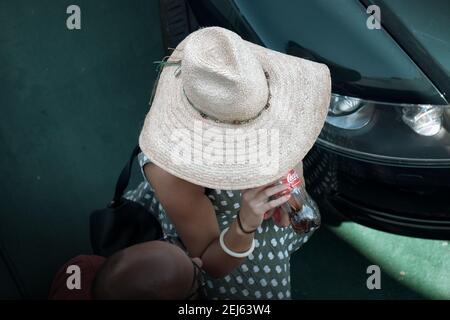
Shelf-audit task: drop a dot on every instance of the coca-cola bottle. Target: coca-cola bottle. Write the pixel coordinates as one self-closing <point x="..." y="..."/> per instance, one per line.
<point x="303" y="212"/>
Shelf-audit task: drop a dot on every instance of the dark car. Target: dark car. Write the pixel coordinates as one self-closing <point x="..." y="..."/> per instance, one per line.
<point x="383" y="156"/>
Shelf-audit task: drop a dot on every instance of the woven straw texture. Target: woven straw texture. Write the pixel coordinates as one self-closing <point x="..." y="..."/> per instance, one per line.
<point x="229" y="114"/>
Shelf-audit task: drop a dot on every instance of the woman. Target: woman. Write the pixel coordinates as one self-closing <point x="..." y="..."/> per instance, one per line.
<point x="210" y="167"/>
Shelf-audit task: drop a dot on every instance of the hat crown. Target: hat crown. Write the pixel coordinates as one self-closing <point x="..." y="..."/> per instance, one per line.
<point x="221" y="76"/>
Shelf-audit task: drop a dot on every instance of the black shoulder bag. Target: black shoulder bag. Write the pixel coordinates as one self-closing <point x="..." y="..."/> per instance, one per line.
<point x="124" y="222"/>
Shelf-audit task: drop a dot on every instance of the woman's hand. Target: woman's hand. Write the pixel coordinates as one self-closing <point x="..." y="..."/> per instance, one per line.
<point x="279" y="216"/>
<point x="257" y="201"/>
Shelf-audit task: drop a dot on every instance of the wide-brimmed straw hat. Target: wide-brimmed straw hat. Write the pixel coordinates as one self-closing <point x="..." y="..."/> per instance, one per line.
<point x="229" y="114"/>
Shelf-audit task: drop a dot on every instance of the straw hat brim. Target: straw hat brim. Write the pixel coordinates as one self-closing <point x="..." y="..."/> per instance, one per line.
<point x="300" y="95"/>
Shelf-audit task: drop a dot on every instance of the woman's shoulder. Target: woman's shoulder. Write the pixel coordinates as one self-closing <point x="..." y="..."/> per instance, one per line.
<point x="165" y="182"/>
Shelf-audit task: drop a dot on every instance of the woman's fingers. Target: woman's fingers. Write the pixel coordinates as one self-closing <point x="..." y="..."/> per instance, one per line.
<point x="256" y="204"/>
<point x="276" y="202"/>
<point x="254" y="191"/>
<point x="264" y="195"/>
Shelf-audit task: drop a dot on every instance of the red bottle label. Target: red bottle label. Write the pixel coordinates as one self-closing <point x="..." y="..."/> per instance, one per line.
<point x="292" y="179"/>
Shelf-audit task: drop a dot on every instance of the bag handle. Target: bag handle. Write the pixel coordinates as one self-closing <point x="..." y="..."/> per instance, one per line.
<point x="124" y="179"/>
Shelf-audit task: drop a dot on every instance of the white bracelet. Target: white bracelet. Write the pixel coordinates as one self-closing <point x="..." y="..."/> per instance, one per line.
<point x="231" y="252"/>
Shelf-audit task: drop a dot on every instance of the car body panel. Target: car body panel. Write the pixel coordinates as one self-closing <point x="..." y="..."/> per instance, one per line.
<point x="422" y="29"/>
<point x="364" y="63"/>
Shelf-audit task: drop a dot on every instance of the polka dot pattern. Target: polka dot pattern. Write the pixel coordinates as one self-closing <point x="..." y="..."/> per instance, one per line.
<point x="265" y="274"/>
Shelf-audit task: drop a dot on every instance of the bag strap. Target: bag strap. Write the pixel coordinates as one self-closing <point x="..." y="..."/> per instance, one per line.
<point x="124" y="179"/>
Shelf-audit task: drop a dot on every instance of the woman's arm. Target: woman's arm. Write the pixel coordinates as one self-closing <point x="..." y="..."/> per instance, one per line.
<point x="193" y="216"/>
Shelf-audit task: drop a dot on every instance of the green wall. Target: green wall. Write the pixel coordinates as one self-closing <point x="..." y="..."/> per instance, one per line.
<point x="72" y="104"/>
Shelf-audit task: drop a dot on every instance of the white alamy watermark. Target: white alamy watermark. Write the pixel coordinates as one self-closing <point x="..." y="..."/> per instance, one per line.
<point x="374" y="20"/>
<point x="73" y="281"/>
<point x="221" y="146"/>
<point x="374" y="280"/>
<point x="73" y="21"/>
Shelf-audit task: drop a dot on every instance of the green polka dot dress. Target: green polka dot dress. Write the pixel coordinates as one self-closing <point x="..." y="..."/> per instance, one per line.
<point x="264" y="274"/>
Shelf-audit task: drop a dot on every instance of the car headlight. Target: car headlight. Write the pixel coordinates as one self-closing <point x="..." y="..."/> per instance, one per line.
<point x="388" y="132"/>
<point x="349" y="113"/>
<point x="424" y="120"/>
<point x="343" y="105"/>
